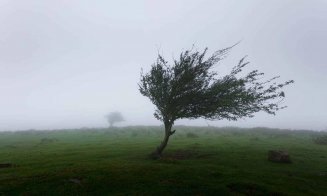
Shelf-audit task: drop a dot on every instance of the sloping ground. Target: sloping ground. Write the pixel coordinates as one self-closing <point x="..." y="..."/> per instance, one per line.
<point x="198" y="161"/>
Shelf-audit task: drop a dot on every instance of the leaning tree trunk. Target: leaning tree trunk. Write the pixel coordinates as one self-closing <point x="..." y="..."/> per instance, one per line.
<point x="156" y="154"/>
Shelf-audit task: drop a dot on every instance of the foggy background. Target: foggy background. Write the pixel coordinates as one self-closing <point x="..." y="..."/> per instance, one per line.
<point x="67" y="63"/>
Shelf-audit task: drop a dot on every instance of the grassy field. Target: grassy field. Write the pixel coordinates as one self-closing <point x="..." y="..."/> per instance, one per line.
<point x="197" y="161"/>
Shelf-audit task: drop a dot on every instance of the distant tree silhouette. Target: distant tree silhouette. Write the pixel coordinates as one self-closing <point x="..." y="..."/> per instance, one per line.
<point x="114" y="117"/>
<point x="191" y="89"/>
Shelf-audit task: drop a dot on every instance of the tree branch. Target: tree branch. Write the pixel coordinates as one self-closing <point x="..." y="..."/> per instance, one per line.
<point x="172" y="132"/>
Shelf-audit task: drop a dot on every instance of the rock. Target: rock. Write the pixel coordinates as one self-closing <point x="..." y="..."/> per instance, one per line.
<point x="75" y="181"/>
<point x="278" y="156"/>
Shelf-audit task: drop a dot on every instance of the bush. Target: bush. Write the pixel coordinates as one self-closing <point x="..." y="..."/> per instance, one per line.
<point x="322" y="140"/>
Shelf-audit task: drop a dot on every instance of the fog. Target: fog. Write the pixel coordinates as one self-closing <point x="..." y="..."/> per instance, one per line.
<point x="66" y="64"/>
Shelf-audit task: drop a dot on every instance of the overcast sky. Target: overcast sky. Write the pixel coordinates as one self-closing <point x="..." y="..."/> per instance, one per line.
<point x="67" y="63"/>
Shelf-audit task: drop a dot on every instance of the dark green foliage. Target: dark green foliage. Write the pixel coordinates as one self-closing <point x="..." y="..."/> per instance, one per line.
<point x="190" y="89"/>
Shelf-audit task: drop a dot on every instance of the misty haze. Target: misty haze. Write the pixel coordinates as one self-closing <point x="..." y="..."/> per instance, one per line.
<point x="212" y="97"/>
<point x="66" y="64"/>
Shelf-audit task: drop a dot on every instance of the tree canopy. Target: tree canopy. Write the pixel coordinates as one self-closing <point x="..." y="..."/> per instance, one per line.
<point x="114" y="117"/>
<point x="190" y="88"/>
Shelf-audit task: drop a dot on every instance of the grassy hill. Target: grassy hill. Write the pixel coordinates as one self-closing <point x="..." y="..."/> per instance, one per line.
<point x="197" y="161"/>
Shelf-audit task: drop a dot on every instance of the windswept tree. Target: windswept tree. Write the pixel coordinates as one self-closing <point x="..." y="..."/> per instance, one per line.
<point x="190" y="89"/>
<point x="114" y="117"/>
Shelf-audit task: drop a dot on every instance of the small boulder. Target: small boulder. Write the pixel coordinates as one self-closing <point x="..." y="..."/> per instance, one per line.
<point x="279" y="156"/>
<point x="75" y="181"/>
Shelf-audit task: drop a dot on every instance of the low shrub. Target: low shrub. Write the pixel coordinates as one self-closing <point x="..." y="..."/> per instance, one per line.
<point x="322" y="140"/>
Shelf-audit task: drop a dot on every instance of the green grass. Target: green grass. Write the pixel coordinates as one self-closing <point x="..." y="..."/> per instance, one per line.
<point x="197" y="161"/>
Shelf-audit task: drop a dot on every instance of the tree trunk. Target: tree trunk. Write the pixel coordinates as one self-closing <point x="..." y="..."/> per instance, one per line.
<point x="156" y="154"/>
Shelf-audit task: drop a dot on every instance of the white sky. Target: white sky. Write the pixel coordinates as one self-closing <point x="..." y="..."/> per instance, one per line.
<point x="67" y="63"/>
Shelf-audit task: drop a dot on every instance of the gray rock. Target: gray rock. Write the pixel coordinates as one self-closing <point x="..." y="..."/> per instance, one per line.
<point x="279" y="156"/>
